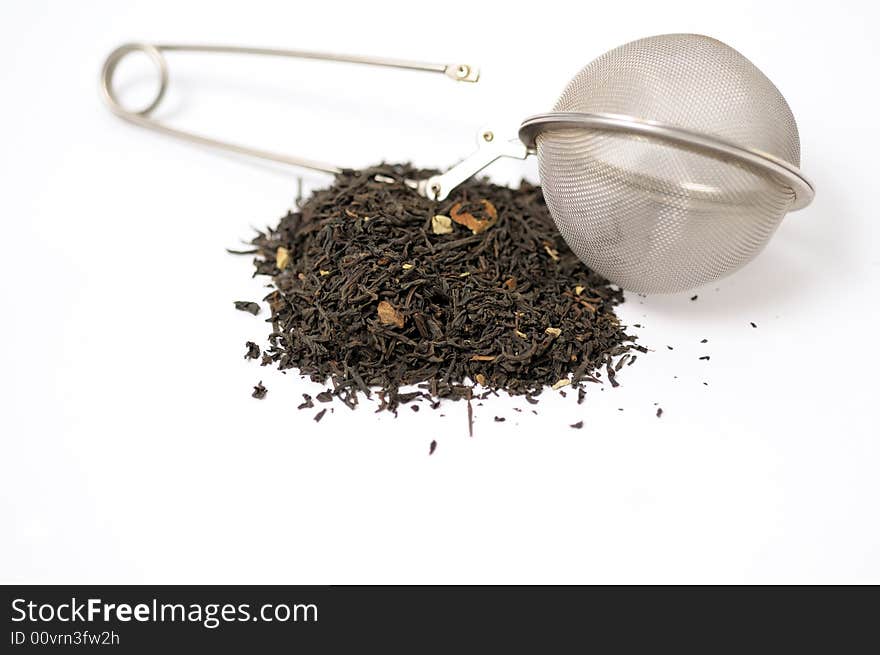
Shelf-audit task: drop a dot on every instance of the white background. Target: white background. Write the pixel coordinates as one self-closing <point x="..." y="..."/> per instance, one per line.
<point x="133" y="452"/>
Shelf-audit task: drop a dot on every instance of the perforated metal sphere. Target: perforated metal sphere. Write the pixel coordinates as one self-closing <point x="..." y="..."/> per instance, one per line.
<point x="651" y="214"/>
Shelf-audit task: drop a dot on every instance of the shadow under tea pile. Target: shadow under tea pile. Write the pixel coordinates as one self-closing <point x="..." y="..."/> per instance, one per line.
<point x="377" y="288"/>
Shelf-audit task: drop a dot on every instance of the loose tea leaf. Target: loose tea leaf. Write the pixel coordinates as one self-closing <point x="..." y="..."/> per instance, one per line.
<point x="371" y="296"/>
<point x="253" y="350"/>
<point x="247" y="306"/>
<point x="433" y="447"/>
<point x="259" y="391"/>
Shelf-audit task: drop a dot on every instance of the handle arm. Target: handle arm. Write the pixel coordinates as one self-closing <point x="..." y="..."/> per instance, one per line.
<point x="458" y="72"/>
<point x="438" y="187"/>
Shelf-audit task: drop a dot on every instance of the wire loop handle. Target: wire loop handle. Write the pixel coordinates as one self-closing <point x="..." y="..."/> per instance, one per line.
<point x="142" y="117"/>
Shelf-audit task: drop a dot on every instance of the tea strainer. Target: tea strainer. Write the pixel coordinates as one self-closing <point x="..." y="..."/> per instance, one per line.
<point x="667" y="162"/>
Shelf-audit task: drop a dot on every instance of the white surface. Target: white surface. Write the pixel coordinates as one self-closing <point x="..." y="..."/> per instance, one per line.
<point x="133" y="452"/>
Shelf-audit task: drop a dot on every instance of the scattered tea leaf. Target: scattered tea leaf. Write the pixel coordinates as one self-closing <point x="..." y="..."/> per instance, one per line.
<point x="253" y="350"/>
<point x="247" y="306"/>
<point x="259" y="391"/>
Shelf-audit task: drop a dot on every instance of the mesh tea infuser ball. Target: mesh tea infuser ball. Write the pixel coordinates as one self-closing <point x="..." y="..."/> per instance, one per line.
<point x="668" y="162"/>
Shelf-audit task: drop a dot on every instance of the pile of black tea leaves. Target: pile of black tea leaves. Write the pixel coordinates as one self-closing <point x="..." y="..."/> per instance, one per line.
<point x="381" y="293"/>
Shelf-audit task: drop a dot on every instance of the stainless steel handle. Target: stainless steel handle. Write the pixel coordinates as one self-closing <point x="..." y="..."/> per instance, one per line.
<point x="438" y="187"/>
<point x="458" y="72"/>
